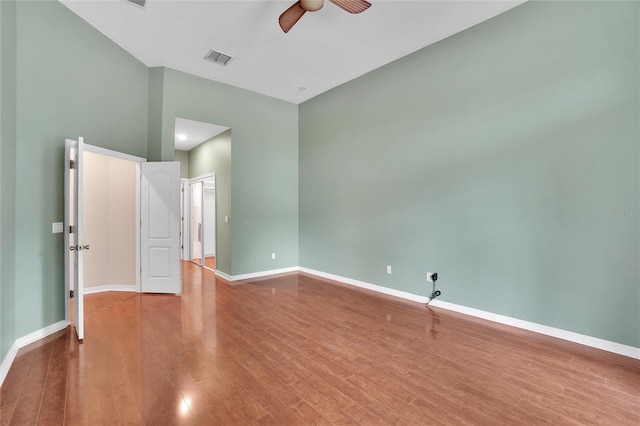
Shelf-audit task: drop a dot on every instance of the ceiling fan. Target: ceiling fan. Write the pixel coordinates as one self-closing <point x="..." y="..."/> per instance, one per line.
<point x="292" y="15"/>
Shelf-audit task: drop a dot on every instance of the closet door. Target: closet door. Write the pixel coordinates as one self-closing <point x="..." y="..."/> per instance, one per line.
<point x="160" y="227"/>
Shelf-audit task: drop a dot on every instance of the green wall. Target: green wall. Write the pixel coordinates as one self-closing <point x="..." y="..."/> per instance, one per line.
<point x="214" y="156"/>
<point x="155" y="151"/>
<point x="90" y="87"/>
<point x="504" y="157"/>
<point x="183" y="158"/>
<point x="264" y="165"/>
<point x="7" y="173"/>
<point x="71" y="81"/>
<point x="508" y="164"/>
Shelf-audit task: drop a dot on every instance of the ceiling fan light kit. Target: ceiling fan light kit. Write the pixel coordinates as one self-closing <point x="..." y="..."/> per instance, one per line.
<point x="293" y="14"/>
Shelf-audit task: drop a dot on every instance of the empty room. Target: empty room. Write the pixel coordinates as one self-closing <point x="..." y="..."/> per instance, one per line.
<point x="333" y="212"/>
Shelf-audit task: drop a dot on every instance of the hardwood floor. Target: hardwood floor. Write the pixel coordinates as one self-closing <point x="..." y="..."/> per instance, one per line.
<point x="209" y="261"/>
<point x="295" y="349"/>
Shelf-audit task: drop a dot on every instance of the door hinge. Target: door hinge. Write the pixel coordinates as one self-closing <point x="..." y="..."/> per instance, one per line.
<point x="71" y="294"/>
<point x="71" y="229"/>
<point x="72" y="164"/>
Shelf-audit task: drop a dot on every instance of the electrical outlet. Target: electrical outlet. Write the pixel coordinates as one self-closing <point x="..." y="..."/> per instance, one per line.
<point x="273" y="255"/>
<point x="431" y="277"/>
<point x="388" y="269"/>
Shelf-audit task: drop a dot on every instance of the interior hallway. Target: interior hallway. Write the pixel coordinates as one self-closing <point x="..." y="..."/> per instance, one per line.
<point x="295" y="349"/>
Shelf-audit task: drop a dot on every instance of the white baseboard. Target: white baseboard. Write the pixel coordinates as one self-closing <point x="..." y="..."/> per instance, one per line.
<point x="256" y="274"/>
<point x="223" y="275"/>
<point x="7" y="361"/>
<point x="39" y="334"/>
<point x="103" y="288"/>
<point x="27" y="340"/>
<point x="594" y="342"/>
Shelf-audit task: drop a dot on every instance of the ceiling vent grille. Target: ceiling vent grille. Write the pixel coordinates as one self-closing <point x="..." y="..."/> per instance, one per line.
<point x="140" y="3"/>
<point x="217" y="57"/>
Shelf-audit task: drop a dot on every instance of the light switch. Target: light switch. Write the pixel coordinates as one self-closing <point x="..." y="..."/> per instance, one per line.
<point x="57" y="227"/>
<point x="226" y="219"/>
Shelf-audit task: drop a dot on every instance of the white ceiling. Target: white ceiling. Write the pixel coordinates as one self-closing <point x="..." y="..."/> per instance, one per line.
<point x="323" y="50"/>
<point x="190" y="133"/>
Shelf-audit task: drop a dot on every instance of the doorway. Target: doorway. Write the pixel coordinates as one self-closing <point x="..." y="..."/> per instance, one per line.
<point x="110" y="215"/>
<point x="204" y="151"/>
<point x="127" y="211"/>
<point x="202" y="221"/>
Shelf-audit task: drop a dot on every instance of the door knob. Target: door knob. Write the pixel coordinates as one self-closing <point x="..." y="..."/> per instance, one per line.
<point x="86" y="247"/>
<point x="73" y="248"/>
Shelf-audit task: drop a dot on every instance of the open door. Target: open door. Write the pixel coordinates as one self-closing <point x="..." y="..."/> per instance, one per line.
<point x="160" y="227"/>
<point x="73" y="232"/>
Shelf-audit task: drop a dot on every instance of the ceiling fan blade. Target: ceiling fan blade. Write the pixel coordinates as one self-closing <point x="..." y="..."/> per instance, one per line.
<point x="352" y="6"/>
<point x="290" y="16"/>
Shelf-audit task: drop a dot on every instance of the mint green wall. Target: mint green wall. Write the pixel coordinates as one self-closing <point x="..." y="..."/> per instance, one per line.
<point x="71" y="81"/>
<point x="501" y="158"/>
<point x="183" y="158"/>
<point x="264" y="165"/>
<point x="214" y="156"/>
<point x="154" y="143"/>
<point x="7" y="173"/>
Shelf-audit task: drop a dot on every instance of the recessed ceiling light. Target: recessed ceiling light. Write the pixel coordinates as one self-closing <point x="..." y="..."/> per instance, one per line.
<point x="181" y="137"/>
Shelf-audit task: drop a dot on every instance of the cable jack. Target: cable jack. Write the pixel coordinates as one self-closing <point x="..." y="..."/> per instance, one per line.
<point x="434" y="293"/>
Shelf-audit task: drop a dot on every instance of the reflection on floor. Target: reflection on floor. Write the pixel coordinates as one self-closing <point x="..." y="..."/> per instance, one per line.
<point x="298" y="350"/>
<point x="209" y="261"/>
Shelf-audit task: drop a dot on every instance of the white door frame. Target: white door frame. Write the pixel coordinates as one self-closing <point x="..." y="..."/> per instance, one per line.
<point x="184" y="183"/>
<point x="196" y="179"/>
<point x="138" y="161"/>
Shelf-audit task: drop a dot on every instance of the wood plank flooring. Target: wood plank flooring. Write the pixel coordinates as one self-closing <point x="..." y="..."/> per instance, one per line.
<point x="297" y="350"/>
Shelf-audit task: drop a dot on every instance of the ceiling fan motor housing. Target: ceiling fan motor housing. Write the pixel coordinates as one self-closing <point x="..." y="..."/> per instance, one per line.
<point x="311" y="5"/>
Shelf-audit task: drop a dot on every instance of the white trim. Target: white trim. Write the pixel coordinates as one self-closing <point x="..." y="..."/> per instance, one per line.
<point x="368" y="286"/>
<point x="223" y="275"/>
<point x="256" y="274"/>
<point x="42" y="333"/>
<point x="109" y="153"/>
<point x="184" y="183"/>
<point x="594" y="342"/>
<point x="202" y="178"/>
<point x="27" y="340"/>
<point x="7" y="361"/>
<point x="138" y="225"/>
<point x="103" y="288"/>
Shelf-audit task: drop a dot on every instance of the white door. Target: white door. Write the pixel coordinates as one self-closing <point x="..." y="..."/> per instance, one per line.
<point x="73" y="232"/>
<point x="160" y="223"/>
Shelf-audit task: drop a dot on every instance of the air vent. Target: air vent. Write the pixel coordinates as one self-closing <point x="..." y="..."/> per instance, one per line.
<point x="217" y="57"/>
<point x="140" y="3"/>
